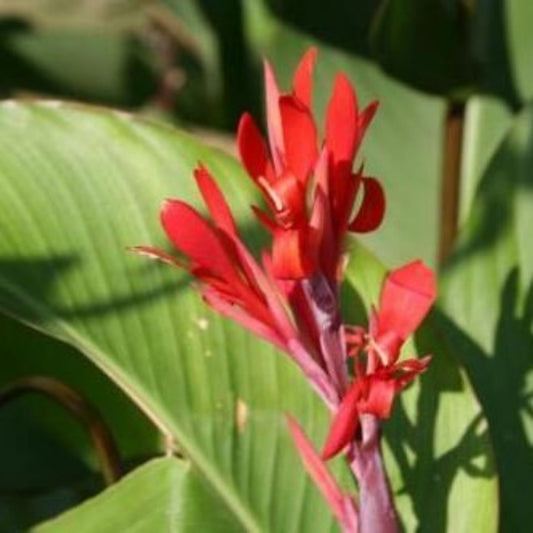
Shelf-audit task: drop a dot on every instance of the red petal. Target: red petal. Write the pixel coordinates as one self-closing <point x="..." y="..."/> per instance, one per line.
<point x="372" y="209"/>
<point x="322" y="245"/>
<point x="268" y="289"/>
<point x="192" y="235"/>
<point x="302" y="81"/>
<point x="345" y="423"/>
<point x="225" y="307"/>
<point x="287" y="198"/>
<point x="290" y="256"/>
<point x="378" y="397"/>
<point x="275" y="132"/>
<point x="341" y="121"/>
<point x="215" y="201"/>
<point x="406" y="297"/>
<point x="317" y="470"/>
<point x="252" y="148"/>
<point x="300" y="137"/>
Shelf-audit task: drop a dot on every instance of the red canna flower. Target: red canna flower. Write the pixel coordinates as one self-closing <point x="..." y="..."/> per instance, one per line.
<point x="407" y="295"/>
<point x="290" y="298"/>
<point x="308" y="239"/>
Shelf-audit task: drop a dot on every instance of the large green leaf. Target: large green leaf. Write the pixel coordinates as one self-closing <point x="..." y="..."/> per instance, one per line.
<point x="79" y="186"/>
<point x="486" y="121"/>
<point x="489" y="299"/>
<point x="162" y="495"/>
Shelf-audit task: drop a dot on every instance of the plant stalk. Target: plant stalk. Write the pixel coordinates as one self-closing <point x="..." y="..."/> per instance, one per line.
<point x="377" y="513"/>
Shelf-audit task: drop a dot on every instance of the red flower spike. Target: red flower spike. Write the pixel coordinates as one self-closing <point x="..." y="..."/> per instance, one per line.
<point x="321" y="475"/>
<point x="300" y="136"/>
<point x="252" y="148"/>
<point x="342" y="121"/>
<point x="302" y="81"/>
<point x="372" y="209"/>
<point x="406" y="297"/>
<point x="345" y="422"/>
<point x="215" y="201"/>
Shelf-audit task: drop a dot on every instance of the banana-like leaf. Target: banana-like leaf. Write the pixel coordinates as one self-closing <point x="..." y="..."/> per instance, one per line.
<point x="488" y="296"/>
<point x="80" y="186"/>
<point x="486" y="121"/>
<point x="162" y="495"/>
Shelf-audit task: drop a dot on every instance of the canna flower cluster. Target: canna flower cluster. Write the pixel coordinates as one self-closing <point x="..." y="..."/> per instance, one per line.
<point x="290" y="297"/>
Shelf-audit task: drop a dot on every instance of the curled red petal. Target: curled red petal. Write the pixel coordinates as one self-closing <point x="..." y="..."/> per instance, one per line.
<point x="215" y="201"/>
<point x="193" y="236"/>
<point x="300" y="137"/>
<point x="317" y="470"/>
<point x="372" y="208"/>
<point x="407" y="295"/>
<point x="252" y="148"/>
<point x="341" y="121"/>
<point x="302" y="81"/>
<point x="345" y="423"/>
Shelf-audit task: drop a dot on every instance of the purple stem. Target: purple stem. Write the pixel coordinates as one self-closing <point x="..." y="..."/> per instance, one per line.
<point x="324" y="306"/>
<point x="377" y="513"/>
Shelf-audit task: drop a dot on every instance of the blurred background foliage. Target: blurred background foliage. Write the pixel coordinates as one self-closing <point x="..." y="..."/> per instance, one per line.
<point x="197" y="64"/>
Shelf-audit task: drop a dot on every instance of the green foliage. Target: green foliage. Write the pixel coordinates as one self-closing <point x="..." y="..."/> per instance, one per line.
<point x="488" y="295"/>
<point x="162" y="495"/>
<point x="69" y="274"/>
<point x="80" y="185"/>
